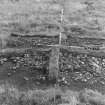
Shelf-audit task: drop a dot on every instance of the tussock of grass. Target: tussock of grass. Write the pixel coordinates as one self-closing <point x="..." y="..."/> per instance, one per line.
<point x="70" y="97"/>
<point x="91" y="97"/>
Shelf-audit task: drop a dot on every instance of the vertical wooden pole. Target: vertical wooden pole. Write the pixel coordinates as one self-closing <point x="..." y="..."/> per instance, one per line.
<point x="54" y="63"/>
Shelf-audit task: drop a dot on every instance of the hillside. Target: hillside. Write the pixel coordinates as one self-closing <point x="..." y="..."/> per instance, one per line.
<point x="56" y="44"/>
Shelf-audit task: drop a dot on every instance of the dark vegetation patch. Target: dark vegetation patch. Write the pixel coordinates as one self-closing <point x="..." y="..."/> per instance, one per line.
<point x="31" y="41"/>
<point x="82" y="70"/>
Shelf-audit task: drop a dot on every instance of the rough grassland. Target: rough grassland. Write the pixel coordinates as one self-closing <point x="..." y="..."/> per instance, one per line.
<point x="11" y="95"/>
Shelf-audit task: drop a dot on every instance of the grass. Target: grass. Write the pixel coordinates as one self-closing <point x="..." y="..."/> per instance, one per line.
<point x="11" y="95"/>
<point x="91" y="97"/>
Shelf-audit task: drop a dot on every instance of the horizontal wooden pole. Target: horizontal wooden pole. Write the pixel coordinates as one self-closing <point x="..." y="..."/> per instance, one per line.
<point x="21" y="50"/>
<point x="71" y="49"/>
<point x="82" y="50"/>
